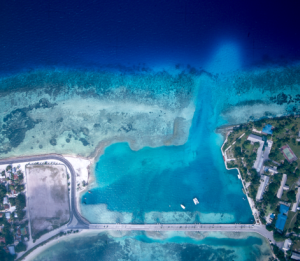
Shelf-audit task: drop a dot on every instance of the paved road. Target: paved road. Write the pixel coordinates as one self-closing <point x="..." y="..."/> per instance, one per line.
<point x="75" y="217"/>
<point x="78" y="222"/>
<point x="260" y="229"/>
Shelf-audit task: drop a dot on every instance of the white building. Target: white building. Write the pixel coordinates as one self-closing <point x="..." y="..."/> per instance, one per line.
<point x="7" y="215"/>
<point x="295" y="205"/>
<point x="11" y="250"/>
<point x="280" y="190"/>
<point x="5" y="200"/>
<point x="295" y="256"/>
<point x="287" y="245"/>
<point x="263" y="183"/>
<point x="273" y="170"/>
<point x="260" y="156"/>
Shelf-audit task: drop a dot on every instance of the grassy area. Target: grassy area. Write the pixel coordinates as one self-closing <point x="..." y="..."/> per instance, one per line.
<point x="296" y="246"/>
<point x="292" y="217"/>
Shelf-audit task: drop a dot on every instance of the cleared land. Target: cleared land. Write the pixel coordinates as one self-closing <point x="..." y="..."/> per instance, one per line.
<point x="48" y="200"/>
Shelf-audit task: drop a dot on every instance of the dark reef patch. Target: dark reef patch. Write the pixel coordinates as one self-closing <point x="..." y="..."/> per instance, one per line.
<point x="17" y="123"/>
<point x="84" y="142"/>
<point x="53" y="142"/>
<point x="85" y="131"/>
<point x="282" y="98"/>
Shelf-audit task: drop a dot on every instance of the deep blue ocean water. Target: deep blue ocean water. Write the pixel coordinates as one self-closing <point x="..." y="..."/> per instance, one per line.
<point x="217" y="36"/>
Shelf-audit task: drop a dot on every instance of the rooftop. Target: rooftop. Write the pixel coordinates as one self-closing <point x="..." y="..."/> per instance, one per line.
<point x="267" y="129"/>
<point x="262" y="186"/>
<point x="280" y="223"/>
<point x="295" y="256"/>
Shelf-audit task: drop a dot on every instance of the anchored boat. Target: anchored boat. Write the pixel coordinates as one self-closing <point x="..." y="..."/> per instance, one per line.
<point x="182" y="206"/>
<point x="196" y="201"/>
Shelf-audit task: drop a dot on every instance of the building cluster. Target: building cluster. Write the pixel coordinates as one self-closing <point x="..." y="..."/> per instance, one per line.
<point x="11" y="184"/>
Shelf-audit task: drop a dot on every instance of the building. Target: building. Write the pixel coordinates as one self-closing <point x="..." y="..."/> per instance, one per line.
<point x="263" y="183"/>
<point x="286" y="187"/>
<point x="5" y="200"/>
<point x="1" y="214"/>
<point x="271" y="170"/>
<point x="280" y="190"/>
<point x="282" y="217"/>
<point x="267" y="129"/>
<point x="259" y="158"/>
<point x="11" y="250"/>
<point x="295" y="256"/>
<point x="295" y="205"/>
<point x="287" y="245"/>
<point x="7" y="215"/>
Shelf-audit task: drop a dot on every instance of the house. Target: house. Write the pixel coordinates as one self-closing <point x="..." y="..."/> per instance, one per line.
<point x="282" y="217"/>
<point x="259" y="158"/>
<point x="271" y="170"/>
<point x="15" y="214"/>
<point x="287" y="245"/>
<point x="16" y="177"/>
<point x="280" y="190"/>
<point x="6" y="206"/>
<point x="11" y="250"/>
<point x="7" y="215"/>
<point x="295" y="256"/>
<point x="2" y="240"/>
<point x="1" y="214"/>
<point x="5" y="200"/>
<point x="267" y="129"/>
<point x="263" y="183"/>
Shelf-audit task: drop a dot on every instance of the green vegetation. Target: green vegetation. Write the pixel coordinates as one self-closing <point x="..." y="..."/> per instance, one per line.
<point x="3" y="192"/>
<point x="20" y="205"/>
<point x="9" y="238"/>
<point x="291" y="195"/>
<point x="20" y="247"/>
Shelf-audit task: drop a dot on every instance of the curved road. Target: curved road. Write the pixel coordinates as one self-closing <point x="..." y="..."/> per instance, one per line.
<point x="81" y="222"/>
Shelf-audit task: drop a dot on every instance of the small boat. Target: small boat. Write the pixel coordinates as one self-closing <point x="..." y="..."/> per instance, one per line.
<point x="244" y="198"/>
<point x="182" y="206"/>
<point x="90" y="191"/>
<point x="196" y="201"/>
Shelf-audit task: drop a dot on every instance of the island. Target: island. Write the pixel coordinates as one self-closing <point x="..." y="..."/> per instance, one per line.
<point x="266" y="154"/>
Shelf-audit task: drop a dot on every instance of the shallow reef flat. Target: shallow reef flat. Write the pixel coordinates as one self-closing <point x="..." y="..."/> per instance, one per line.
<point x="80" y="112"/>
<point x="72" y="112"/>
<point x="138" y="245"/>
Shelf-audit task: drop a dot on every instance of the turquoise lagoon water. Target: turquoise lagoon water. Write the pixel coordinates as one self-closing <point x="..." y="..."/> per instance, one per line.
<point x="139" y="246"/>
<point x="150" y="184"/>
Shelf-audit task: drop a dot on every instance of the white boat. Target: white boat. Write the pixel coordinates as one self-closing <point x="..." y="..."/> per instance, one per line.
<point x="196" y="201"/>
<point x="182" y="206"/>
